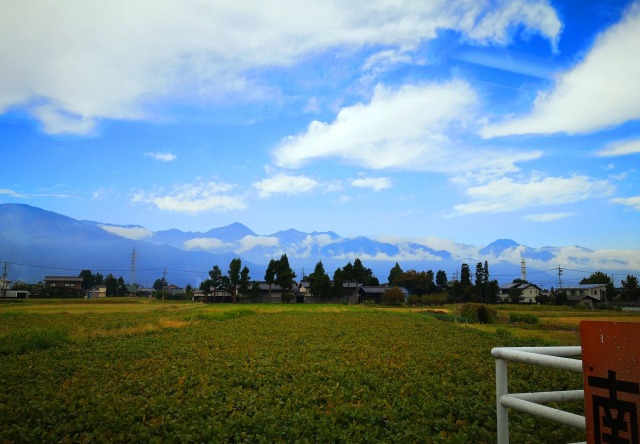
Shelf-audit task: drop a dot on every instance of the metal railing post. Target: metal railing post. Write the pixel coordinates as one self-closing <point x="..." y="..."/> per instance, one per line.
<point x="531" y="403"/>
<point x="502" y="412"/>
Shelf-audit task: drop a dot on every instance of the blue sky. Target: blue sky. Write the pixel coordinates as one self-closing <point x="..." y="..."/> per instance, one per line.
<point x="438" y="121"/>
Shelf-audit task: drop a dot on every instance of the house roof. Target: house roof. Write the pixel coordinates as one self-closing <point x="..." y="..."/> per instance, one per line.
<point x="63" y="278"/>
<point x="584" y="287"/>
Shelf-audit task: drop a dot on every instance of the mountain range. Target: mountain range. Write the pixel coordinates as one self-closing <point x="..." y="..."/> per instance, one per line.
<point x="35" y="243"/>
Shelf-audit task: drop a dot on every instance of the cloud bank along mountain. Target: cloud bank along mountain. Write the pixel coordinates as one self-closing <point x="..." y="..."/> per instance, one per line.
<point x="50" y="243"/>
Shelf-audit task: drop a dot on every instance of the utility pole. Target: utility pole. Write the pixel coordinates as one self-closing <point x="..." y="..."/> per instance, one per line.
<point x="4" y="281"/>
<point x="164" y="281"/>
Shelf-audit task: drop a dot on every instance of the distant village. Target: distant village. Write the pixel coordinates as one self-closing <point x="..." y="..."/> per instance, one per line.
<point x="351" y="284"/>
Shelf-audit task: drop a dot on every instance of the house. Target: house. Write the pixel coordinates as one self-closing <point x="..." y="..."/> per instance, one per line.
<point x="528" y="292"/>
<point x="63" y="286"/>
<point x="587" y="294"/>
<point x="99" y="291"/>
<point x="370" y="293"/>
<point x="173" y="289"/>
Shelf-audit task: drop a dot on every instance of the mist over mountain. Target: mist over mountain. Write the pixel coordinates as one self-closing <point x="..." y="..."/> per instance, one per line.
<point x="35" y="243"/>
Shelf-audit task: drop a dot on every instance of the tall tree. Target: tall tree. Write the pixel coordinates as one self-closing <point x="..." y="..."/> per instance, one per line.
<point x="122" y="288"/>
<point x="112" y="285"/>
<point x="479" y="274"/>
<point x="630" y="289"/>
<point x="284" y="275"/>
<point x="486" y="272"/>
<point x="216" y="277"/>
<point x="441" y="280"/>
<point x="320" y="285"/>
<point x="465" y="275"/>
<point x="338" y="283"/>
<point x="234" y="277"/>
<point x="158" y="285"/>
<point x="244" y="281"/>
<point x="417" y="283"/>
<point x="361" y="274"/>
<point x="88" y="279"/>
<point x="270" y="274"/>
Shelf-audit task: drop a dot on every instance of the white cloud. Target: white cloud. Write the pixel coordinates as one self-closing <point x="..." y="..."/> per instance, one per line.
<point x="495" y="25"/>
<point x="193" y="198"/>
<point x="402" y="256"/>
<point x="206" y="243"/>
<point x="161" y="157"/>
<point x="248" y="242"/>
<point x="11" y="193"/>
<point x="601" y="91"/>
<point x="506" y="194"/>
<point x="135" y="233"/>
<point x="284" y="184"/>
<point x="547" y="217"/>
<point x="623" y="148"/>
<point x="80" y="62"/>
<point x="402" y="128"/>
<point x="375" y="183"/>
<point x="633" y="202"/>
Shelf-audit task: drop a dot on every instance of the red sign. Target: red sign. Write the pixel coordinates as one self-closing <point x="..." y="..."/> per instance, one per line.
<point x="611" y="365"/>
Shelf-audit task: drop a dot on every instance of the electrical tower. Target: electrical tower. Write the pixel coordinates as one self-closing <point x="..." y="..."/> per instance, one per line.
<point x="523" y="270"/>
<point x="559" y="277"/>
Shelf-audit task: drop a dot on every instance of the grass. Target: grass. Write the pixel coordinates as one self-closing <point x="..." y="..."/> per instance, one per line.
<point x="147" y="370"/>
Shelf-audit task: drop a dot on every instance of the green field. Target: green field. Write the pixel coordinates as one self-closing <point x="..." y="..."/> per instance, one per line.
<point x="152" y="371"/>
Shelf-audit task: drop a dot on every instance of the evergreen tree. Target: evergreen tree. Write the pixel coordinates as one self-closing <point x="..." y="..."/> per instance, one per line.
<point x="234" y="277"/>
<point x="338" y="283"/>
<point x="88" y="279"/>
<point x="270" y="274"/>
<point x="112" y="285"/>
<point x="216" y="276"/>
<point x="320" y="285"/>
<point x="244" y="281"/>
<point x="630" y="289"/>
<point x="465" y="275"/>
<point x="284" y="275"/>
<point x="441" y="280"/>
<point x="394" y="274"/>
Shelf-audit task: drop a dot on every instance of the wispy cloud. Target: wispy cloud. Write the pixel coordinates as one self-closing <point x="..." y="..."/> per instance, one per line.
<point x="12" y="193"/>
<point x="248" y="242"/>
<point x="601" y="91"/>
<point x="507" y="194"/>
<point x="193" y="198"/>
<point x="206" y="243"/>
<point x="622" y="148"/>
<point x="161" y="157"/>
<point x="375" y="183"/>
<point x="547" y="217"/>
<point x="633" y="202"/>
<point x="284" y="184"/>
<point x="135" y="233"/>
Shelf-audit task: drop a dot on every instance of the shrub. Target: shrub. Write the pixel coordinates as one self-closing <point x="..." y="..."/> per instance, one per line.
<point x="435" y="299"/>
<point x="481" y="313"/>
<point x="393" y="296"/>
<point x="414" y="299"/>
<point x="526" y="318"/>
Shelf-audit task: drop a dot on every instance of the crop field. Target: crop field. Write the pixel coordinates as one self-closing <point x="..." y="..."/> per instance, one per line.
<point x="154" y="371"/>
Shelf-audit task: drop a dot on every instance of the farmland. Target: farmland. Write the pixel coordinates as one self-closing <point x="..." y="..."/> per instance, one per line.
<point x="151" y="371"/>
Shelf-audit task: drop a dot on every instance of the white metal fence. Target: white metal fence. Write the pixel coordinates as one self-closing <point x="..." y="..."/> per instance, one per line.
<point x="531" y="403"/>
